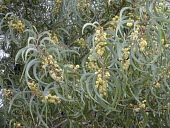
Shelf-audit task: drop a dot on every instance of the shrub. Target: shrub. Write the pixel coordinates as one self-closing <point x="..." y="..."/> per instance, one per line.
<point x="85" y="63"/>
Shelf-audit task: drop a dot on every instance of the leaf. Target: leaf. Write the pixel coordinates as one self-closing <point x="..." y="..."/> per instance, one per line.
<point x="29" y="50"/>
<point x="29" y="65"/>
<point x="89" y="24"/>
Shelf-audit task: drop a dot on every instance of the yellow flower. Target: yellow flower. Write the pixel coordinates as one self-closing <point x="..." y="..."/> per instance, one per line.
<point x="99" y="75"/>
<point x="71" y="66"/>
<point x="129" y="24"/>
<point x="52" y="101"/>
<point x="107" y="74"/>
<point x="144" y="101"/>
<point x="161" y="4"/>
<point x="136" y="109"/>
<point x="50" y="56"/>
<point x="77" y="66"/>
<point x="142" y="106"/>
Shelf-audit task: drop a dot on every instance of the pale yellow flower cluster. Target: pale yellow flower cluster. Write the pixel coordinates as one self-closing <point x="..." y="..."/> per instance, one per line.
<point x="99" y="50"/>
<point x="92" y="64"/>
<point x="115" y="20"/>
<point x="54" y="37"/>
<point x="18" y="125"/>
<point x="142" y="44"/>
<point x="160" y="6"/>
<point x="129" y="24"/>
<point x="58" y="4"/>
<point x="2" y="6"/>
<point x="74" y="67"/>
<point x="126" y="52"/>
<point x="114" y="23"/>
<point x="83" y="4"/>
<point x="51" y="99"/>
<point x="142" y="105"/>
<point x="102" y="81"/>
<point x="133" y="16"/>
<point x="126" y="60"/>
<point x="34" y="88"/>
<point x="157" y="85"/>
<point x="81" y="42"/>
<point x="100" y="40"/>
<point x="55" y="70"/>
<point x="7" y="93"/>
<point x="165" y="44"/>
<point x="18" y="25"/>
<point x="126" y="64"/>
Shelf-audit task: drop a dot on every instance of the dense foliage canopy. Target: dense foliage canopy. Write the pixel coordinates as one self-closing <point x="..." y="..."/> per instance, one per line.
<point x="85" y="63"/>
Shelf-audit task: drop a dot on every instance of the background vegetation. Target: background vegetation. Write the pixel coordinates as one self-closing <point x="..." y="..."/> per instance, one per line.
<point x="85" y="63"/>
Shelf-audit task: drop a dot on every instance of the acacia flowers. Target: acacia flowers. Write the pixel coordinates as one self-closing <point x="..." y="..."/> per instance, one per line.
<point x="83" y="4"/>
<point x="115" y="21"/>
<point x="34" y="88"/>
<point x="36" y="91"/>
<point x="126" y="60"/>
<point x="141" y="106"/>
<point x="81" y="42"/>
<point x="129" y="24"/>
<point x="57" y="5"/>
<point x="51" y="99"/>
<point x="102" y="81"/>
<point x="54" y="37"/>
<point x="142" y="44"/>
<point x="100" y="40"/>
<point x="98" y="52"/>
<point x="74" y="67"/>
<point x="157" y="85"/>
<point x="54" y="69"/>
<point x="18" y="125"/>
<point x="8" y="94"/>
<point x="18" y="25"/>
<point x="92" y="64"/>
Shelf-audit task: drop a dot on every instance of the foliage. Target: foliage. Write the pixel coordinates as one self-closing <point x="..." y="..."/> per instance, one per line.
<point x="85" y="63"/>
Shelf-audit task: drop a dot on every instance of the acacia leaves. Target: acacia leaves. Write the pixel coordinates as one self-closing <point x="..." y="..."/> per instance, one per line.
<point x="86" y="64"/>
